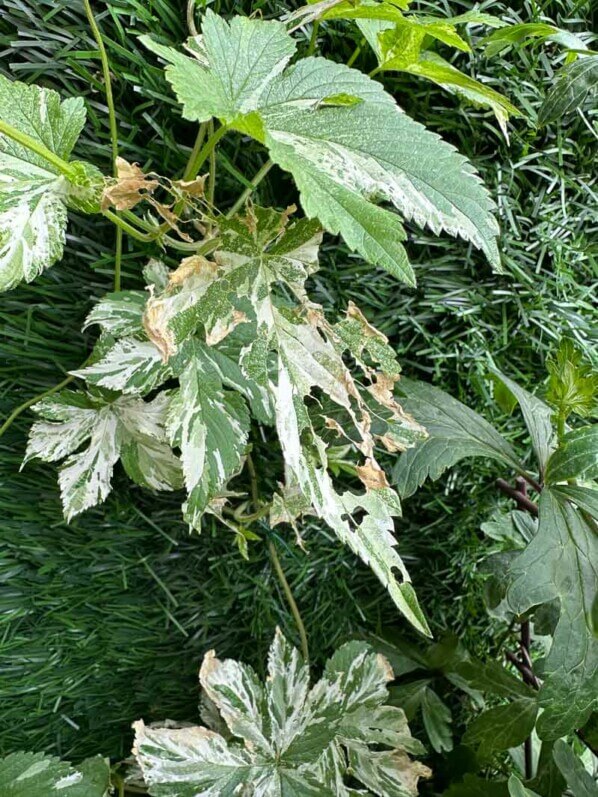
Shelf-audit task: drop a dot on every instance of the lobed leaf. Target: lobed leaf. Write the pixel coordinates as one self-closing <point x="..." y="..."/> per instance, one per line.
<point x="39" y="775"/>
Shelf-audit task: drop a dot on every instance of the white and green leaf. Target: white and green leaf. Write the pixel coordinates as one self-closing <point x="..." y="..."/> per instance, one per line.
<point x="39" y="775"/>
<point x="130" y="366"/>
<point x="126" y="427"/>
<point x="33" y="192"/>
<point x="293" y="740"/>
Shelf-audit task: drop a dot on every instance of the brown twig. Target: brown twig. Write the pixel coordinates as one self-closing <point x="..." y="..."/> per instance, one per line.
<point x="522" y="500"/>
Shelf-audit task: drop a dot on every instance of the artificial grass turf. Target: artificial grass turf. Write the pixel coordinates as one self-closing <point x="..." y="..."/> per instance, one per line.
<point x="106" y="620"/>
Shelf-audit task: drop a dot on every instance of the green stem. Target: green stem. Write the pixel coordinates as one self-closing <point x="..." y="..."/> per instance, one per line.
<point x="97" y="34"/>
<point x="30" y="402"/>
<point x="355" y="54"/>
<point x="191" y="18"/>
<point x="40" y="149"/>
<point x="255" y="498"/>
<point x="211" y="189"/>
<point x="314" y="39"/>
<point x="204" y="153"/>
<point x="201" y="134"/>
<point x="251" y="188"/>
<point x="290" y="600"/>
<point x="128" y="228"/>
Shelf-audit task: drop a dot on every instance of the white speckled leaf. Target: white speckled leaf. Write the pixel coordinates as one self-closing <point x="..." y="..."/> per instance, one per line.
<point x="39" y="775"/>
<point x="343" y="158"/>
<point x="32" y="193"/>
<point x="119" y="313"/>
<point x="210" y="425"/>
<point x="294" y="740"/>
<point x="127" y="428"/>
<point x="131" y="366"/>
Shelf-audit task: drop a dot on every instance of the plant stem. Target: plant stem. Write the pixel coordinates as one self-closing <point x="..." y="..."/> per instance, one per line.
<point x="128" y="228"/>
<point x="259" y="176"/>
<point x="255" y="498"/>
<point x="204" y="153"/>
<point x="355" y="54"/>
<point x="201" y="134"/>
<point x="290" y="600"/>
<point x="211" y="188"/>
<point x="191" y="18"/>
<point x="30" y="402"/>
<point x="522" y="500"/>
<point x="97" y="34"/>
<point x="36" y="146"/>
<point x="314" y="38"/>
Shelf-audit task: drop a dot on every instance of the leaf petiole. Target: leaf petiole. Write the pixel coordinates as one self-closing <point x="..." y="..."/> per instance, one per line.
<point x="26" y="140"/>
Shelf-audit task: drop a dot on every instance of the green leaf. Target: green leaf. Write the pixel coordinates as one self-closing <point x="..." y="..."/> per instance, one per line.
<point x="562" y="562"/>
<point x="574" y="83"/>
<point x="437" y="720"/>
<point x="502" y="727"/>
<point x="338" y="172"/>
<point x="586" y="498"/>
<point x="576" y="456"/>
<point x="537" y="416"/>
<point x="579" y="781"/>
<point x="126" y="427"/>
<point x="517" y="789"/>
<point x="573" y="383"/>
<point x="130" y="366"/>
<point x="33" y="193"/>
<point x="492" y="678"/>
<point x="434" y="68"/>
<point x="521" y="33"/>
<point x="210" y="426"/>
<point x="293" y="740"/>
<point x="39" y="775"/>
<point x="455" y="432"/>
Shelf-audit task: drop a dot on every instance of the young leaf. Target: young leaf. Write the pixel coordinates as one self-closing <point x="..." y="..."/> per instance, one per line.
<point x="502" y="727"/>
<point x="210" y="425"/>
<point x="574" y="83"/>
<point x="125" y="427"/>
<point x="562" y="562"/>
<point x="293" y="740"/>
<point x="455" y="432"/>
<point x="573" y="384"/>
<point x="537" y="416"/>
<point x="338" y="172"/>
<point x="39" y="775"/>
<point x="576" y="456"/>
<point x="579" y="781"/>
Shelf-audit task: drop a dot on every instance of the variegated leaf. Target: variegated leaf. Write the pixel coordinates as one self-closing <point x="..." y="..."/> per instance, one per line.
<point x="125" y="427"/>
<point x="338" y="169"/>
<point x="210" y="426"/>
<point x="119" y="313"/>
<point x="293" y="740"/>
<point x="130" y="366"/>
<point x="33" y="193"/>
<point x="39" y="775"/>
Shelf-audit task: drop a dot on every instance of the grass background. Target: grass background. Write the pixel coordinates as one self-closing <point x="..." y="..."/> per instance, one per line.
<point x="106" y="620"/>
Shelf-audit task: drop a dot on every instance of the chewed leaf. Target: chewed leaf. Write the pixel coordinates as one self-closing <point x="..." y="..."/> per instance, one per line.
<point x="33" y="193"/>
<point x="126" y="427"/>
<point x="291" y="739"/>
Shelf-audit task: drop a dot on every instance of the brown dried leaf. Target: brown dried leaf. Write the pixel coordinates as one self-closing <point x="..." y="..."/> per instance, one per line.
<point x="130" y="188"/>
<point x="372" y="475"/>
